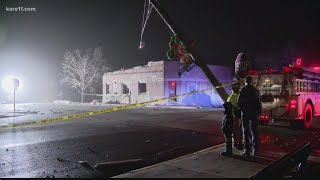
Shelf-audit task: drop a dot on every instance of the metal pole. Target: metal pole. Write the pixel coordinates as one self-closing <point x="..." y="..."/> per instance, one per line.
<point x="14" y="100"/>
<point x="196" y="57"/>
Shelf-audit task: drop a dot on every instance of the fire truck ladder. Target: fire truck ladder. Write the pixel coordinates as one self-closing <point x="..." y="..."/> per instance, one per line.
<point x="311" y="74"/>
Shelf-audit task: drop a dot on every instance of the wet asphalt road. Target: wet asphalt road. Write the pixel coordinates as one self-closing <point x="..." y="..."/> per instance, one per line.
<point x="151" y="134"/>
<point x="154" y="135"/>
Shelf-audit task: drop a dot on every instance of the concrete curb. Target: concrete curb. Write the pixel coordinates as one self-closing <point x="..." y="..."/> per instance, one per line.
<point x="176" y="159"/>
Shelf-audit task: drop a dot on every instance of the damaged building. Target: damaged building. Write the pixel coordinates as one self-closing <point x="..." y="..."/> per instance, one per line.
<point x="159" y="79"/>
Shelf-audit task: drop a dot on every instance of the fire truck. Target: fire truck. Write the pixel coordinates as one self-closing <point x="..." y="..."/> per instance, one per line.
<point x="292" y="94"/>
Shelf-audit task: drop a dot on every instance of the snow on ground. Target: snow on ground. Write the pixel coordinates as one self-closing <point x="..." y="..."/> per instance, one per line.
<point x="62" y="102"/>
<point x="35" y="111"/>
<point x="198" y="99"/>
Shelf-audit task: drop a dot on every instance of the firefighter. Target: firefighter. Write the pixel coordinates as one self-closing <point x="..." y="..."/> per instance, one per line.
<point x="249" y="102"/>
<point x="237" y="125"/>
<point x="227" y="128"/>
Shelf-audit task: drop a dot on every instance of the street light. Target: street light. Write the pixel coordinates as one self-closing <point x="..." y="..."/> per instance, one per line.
<point x="11" y="83"/>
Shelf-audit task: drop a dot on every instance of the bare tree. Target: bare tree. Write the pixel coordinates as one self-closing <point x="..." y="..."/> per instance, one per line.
<point x="81" y="69"/>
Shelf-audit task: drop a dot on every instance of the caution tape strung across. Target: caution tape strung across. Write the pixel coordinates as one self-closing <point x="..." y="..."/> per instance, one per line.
<point x="108" y="110"/>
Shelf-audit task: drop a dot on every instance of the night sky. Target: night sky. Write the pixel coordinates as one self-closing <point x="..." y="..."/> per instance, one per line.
<point x="32" y="44"/>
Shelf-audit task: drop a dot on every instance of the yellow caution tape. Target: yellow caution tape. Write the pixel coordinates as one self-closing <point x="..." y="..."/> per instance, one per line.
<point x="103" y="111"/>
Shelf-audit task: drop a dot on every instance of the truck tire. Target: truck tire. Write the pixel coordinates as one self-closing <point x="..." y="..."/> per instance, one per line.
<point x="307" y="116"/>
<point x="307" y="119"/>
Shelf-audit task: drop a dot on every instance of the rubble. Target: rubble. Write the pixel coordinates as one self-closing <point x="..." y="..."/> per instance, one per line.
<point x="60" y="159"/>
<point x="32" y="112"/>
<point x="111" y="164"/>
<point x="91" y="149"/>
<point x="85" y="164"/>
<point x="61" y="102"/>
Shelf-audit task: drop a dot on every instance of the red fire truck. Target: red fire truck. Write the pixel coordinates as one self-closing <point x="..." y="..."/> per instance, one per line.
<point x="293" y="94"/>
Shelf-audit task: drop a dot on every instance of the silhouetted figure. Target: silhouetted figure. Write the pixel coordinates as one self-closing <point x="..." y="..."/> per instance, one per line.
<point x="227" y="127"/>
<point x="249" y="102"/>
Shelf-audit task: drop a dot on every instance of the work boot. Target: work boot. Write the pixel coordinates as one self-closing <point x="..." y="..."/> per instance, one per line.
<point x="246" y="153"/>
<point x="227" y="152"/>
<point x="239" y="146"/>
<point x="254" y="152"/>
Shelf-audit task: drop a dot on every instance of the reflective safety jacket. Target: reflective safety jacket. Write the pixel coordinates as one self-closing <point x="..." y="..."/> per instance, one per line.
<point x="233" y="99"/>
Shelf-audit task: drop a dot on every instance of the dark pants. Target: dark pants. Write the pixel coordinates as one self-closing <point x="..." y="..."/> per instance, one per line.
<point x="237" y="132"/>
<point x="228" y="138"/>
<point x="237" y="128"/>
<point x="250" y="126"/>
<point x="227" y="129"/>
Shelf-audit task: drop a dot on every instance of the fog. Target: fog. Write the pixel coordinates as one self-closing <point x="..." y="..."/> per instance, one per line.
<point x="36" y="75"/>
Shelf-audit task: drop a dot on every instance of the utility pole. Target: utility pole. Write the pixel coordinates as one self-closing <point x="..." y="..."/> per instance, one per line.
<point x="196" y="57"/>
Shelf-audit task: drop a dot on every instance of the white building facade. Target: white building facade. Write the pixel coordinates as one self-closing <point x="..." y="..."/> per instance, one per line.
<point x="160" y="79"/>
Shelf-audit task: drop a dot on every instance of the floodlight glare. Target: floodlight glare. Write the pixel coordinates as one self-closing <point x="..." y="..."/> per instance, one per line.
<point x="10" y="82"/>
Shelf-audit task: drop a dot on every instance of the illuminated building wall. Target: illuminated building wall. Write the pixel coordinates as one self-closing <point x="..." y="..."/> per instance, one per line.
<point x="160" y="79"/>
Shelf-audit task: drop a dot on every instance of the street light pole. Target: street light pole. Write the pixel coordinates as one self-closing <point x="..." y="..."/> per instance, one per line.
<point x="15" y="83"/>
<point x="196" y="57"/>
<point x="14" y="101"/>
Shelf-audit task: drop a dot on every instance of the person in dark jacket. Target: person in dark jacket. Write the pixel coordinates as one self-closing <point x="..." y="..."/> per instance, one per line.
<point x="249" y="102"/>
<point x="227" y="127"/>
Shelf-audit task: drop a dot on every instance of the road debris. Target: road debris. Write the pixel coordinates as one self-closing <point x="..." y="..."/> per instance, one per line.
<point x="60" y="159"/>
<point x="55" y="112"/>
<point x="90" y="149"/>
<point x="113" y="164"/>
<point x="32" y="112"/>
<point x="195" y="158"/>
<point x="85" y="164"/>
